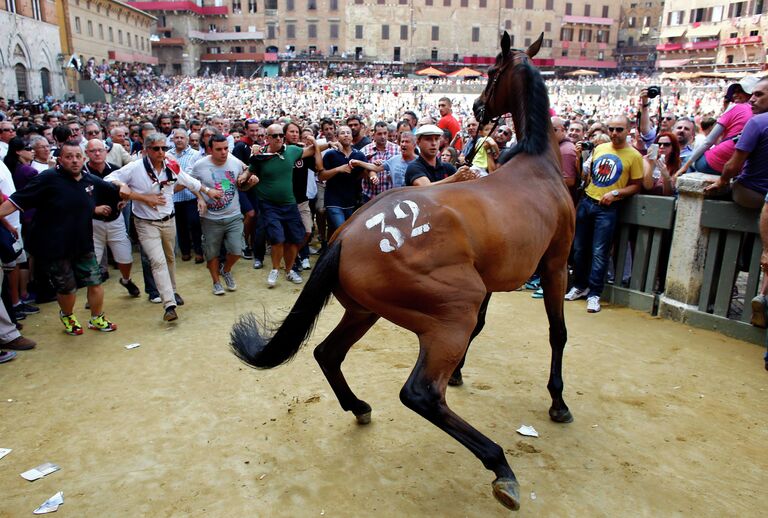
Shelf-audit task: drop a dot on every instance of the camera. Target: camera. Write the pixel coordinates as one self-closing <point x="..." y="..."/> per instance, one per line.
<point x="586" y="145"/>
<point x="654" y="91"/>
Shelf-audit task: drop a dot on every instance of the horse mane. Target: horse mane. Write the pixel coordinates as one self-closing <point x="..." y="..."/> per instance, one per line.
<point x="537" y="121"/>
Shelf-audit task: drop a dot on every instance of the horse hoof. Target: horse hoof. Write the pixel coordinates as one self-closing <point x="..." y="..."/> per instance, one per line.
<point x="507" y="491"/>
<point x="363" y="418"/>
<point x="456" y="380"/>
<point x="561" y="416"/>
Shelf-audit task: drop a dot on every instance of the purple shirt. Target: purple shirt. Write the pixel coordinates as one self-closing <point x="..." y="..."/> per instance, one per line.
<point x="754" y="140"/>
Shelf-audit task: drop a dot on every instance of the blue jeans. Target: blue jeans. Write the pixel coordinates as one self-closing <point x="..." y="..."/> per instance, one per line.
<point x="336" y="216"/>
<point x="592" y="244"/>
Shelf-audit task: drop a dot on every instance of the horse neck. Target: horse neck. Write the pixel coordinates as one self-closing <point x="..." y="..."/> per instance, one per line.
<point x="526" y="121"/>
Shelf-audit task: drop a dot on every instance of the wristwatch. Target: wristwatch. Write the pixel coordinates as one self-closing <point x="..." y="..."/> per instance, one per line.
<point x="615" y="193"/>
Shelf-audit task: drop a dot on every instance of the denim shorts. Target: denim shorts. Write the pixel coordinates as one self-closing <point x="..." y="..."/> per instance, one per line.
<point x="282" y="222"/>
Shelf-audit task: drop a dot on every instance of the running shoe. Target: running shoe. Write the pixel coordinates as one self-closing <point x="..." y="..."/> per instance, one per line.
<point x="155" y="299"/>
<point x="27" y="309"/>
<point x="272" y="278"/>
<point x="100" y="323"/>
<point x="133" y="290"/>
<point x="229" y="281"/>
<point x="258" y="264"/>
<point x="247" y="253"/>
<point x="294" y="277"/>
<point x="593" y="304"/>
<point x="6" y="356"/>
<point x="576" y="293"/>
<point x="305" y="264"/>
<point x="218" y="289"/>
<point x="71" y="325"/>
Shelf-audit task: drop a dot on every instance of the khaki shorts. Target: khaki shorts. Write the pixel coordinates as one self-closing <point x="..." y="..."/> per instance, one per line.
<point x="217" y="231"/>
<point x="306" y="216"/>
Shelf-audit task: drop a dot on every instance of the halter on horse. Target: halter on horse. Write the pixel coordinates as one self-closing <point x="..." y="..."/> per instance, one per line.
<point x="426" y="258"/>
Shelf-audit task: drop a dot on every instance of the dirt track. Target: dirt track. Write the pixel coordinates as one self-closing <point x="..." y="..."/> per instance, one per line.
<point x="668" y="420"/>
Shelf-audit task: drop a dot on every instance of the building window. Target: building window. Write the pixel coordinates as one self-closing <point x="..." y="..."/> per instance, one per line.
<point x="566" y="34"/>
<point x="605" y="11"/>
<point x="311" y="5"/>
<point x="475" y="34"/>
<point x="601" y="55"/>
<point x="396" y="54"/>
<point x="527" y="42"/>
<point x="603" y="36"/>
<point x="737" y="10"/>
<point x="508" y="24"/>
<point x="631" y="21"/>
<point x="446" y="3"/>
<point x="465" y="3"/>
<point x="529" y="4"/>
<point x="36" y="13"/>
<point x="483" y="4"/>
<point x="568" y="8"/>
<point x="290" y="31"/>
<point x="252" y="7"/>
<point x="312" y="30"/>
<point x="509" y="4"/>
<point x="128" y="37"/>
<point x="587" y="10"/>
<point x="101" y="32"/>
<point x="435" y="33"/>
<point x="428" y="2"/>
<point x="585" y="35"/>
<point x="289" y="5"/>
<point x="334" y="5"/>
<point x="564" y="53"/>
<point x="433" y="55"/>
<point x="10" y="6"/>
<point x="89" y="25"/>
<point x="236" y="7"/>
<point x="385" y="32"/>
<point x="547" y="27"/>
<point x="403" y="32"/>
<point x="334" y="31"/>
<point x="271" y="31"/>
<point x="136" y="41"/>
<point x="358" y="32"/>
<point x="403" y="2"/>
<point x="78" y="28"/>
<point x="550" y="5"/>
<point x="119" y="36"/>
<point x="111" y="35"/>
<point x="528" y="25"/>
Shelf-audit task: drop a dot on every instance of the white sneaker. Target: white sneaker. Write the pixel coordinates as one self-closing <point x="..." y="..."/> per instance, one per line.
<point x="272" y="278"/>
<point x="229" y="281"/>
<point x="593" y="304"/>
<point x="257" y="265"/>
<point x="293" y="276"/>
<point x="576" y="293"/>
<point x="217" y="289"/>
<point x="305" y="264"/>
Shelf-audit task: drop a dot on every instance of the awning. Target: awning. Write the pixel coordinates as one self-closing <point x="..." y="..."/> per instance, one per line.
<point x="671" y="63"/>
<point x="703" y="31"/>
<point x="673" y="32"/>
<point x="430" y="71"/>
<point x="465" y="72"/>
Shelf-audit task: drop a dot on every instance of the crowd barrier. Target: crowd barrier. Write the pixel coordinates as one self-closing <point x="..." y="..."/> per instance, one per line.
<point x="691" y="259"/>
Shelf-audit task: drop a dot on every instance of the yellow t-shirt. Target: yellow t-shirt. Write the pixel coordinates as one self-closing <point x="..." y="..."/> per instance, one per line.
<point x="613" y="169"/>
<point x="481" y="156"/>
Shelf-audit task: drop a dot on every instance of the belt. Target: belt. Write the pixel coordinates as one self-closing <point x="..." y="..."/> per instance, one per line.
<point x="170" y="216"/>
<point x="591" y="199"/>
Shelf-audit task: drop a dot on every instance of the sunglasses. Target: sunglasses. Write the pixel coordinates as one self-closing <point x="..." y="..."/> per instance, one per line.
<point x="159" y="148"/>
<point x="276" y="135"/>
<point x="7" y="130"/>
<point x="665" y="144"/>
<point x="616" y="130"/>
<point x="668" y="118"/>
<point x="27" y="148"/>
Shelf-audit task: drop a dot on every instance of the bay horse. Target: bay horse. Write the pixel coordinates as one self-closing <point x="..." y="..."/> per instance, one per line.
<point x="427" y="258"/>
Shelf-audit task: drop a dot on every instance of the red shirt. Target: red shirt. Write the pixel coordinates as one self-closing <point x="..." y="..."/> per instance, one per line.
<point x="449" y="122"/>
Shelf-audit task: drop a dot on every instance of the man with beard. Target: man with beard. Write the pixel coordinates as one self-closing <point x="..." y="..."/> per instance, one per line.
<point x="356" y="126"/>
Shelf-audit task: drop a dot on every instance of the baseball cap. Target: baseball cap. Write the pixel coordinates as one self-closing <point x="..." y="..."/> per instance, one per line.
<point x="428" y="129"/>
<point x="746" y="83"/>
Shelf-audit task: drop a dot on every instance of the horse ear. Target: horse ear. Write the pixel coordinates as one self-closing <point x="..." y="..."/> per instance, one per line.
<point x="506" y="43"/>
<point x="534" y="48"/>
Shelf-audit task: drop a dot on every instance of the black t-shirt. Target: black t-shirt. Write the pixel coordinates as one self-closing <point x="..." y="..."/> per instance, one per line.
<point x="300" y="175"/>
<point x="420" y="167"/>
<point x="62" y="226"/>
<point x="342" y="190"/>
<point x="363" y="142"/>
<point x="242" y="151"/>
<point x="112" y="201"/>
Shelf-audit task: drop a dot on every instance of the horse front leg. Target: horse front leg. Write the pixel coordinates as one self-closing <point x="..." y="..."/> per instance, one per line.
<point x="456" y="378"/>
<point x="554" y="280"/>
<point x="424" y="393"/>
<point x="330" y="355"/>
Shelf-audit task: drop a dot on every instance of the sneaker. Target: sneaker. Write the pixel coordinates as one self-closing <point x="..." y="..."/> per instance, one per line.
<point x="71" y="325"/>
<point x="305" y="264"/>
<point x="758" y="311"/>
<point x="576" y="293"/>
<point x="272" y="278"/>
<point x="538" y="294"/>
<point x="170" y="314"/>
<point x="178" y="299"/>
<point x="218" y="289"/>
<point x="199" y="259"/>
<point x="294" y="277"/>
<point x="100" y="323"/>
<point x="247" y="253"/>
<point x="257" y="264"/>
<point x="533" y="283"/>
<point x="19" y="315"/>
<point x="155" y="299"/>
<point x="593" y="304"/>
<point x="133" y="290"/>
<point x="314" y="251"/>
<point x="6" y="356"/>
<point x="27" y="309"/>
<point x="20" y="343"/>
<point x="229" y="281"/>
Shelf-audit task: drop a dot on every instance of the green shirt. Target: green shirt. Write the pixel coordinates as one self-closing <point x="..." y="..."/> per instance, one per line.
<point x="276" y="177"/>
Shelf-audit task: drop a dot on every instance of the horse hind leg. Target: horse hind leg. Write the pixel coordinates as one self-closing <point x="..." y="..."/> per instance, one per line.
<point x="331" y="353"/>
<point x="456" y="378"/>
<point x="424" y="393"/>
<point x="554" y="279"/>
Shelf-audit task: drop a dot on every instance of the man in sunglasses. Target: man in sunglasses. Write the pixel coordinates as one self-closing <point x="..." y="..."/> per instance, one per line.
<point x="616" y="174"/>
<point x="151" y="182"/>
<point x="7" y="132"/>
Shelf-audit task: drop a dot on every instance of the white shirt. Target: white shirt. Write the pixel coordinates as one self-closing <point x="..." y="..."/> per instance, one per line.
<point x="3" y="150"/>
<point x="135" y="176"/>
<point x="39" y="166"/>
<point x="7" y="187"/>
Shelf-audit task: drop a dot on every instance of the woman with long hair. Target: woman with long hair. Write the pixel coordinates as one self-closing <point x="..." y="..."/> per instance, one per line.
<point x="450" y="155"/>
<point x="658" y="171"/>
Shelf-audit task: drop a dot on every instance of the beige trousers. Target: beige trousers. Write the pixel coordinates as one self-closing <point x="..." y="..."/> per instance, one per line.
<point x="158" y="239"/>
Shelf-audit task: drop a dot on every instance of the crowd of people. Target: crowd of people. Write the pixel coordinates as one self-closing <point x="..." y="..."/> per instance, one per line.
<point x="223" y="169"/>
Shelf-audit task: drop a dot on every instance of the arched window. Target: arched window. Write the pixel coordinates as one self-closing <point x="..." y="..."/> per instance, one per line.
<point x="45" y="80"/>
<point x="21" y="81"/>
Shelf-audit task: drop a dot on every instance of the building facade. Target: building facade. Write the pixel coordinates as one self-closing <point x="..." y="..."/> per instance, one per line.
<point x="713" y="36"/>
<point x="639" y="23"/>
<point x="30" y="50"/>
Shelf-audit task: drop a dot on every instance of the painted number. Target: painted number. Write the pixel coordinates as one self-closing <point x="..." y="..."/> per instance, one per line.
<point x="396" y="239"/>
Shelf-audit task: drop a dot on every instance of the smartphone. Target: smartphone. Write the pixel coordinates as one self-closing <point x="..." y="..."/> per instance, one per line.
<point x="653" y="151"/>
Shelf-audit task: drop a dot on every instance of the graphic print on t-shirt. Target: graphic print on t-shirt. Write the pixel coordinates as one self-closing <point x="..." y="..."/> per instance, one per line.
<point x="606" y="170"/>
<point x="225" y="183"/>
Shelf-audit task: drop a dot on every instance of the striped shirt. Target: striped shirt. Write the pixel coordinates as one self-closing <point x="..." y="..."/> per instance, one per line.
<point x="186" y="160"/>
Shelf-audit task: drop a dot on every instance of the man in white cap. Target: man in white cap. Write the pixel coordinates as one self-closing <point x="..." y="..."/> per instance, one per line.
<point x="427" y="168"/>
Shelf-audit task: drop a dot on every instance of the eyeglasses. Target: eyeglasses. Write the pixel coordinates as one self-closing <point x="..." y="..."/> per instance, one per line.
<point x="7" y="130"/>
<point x="665" y="144"/>
<point x="668" y="118"/>
<point x="159" y="148"/>
<point x="616" y="130"/>
<point x="276" y="135"/>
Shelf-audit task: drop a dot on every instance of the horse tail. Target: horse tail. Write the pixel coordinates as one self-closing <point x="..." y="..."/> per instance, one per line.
<point x="257" y="348"/>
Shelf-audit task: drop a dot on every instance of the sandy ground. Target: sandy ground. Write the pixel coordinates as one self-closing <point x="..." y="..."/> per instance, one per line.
<point x="669" y="421"/>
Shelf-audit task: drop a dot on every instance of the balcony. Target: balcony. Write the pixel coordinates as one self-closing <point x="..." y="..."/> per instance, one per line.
<point x="128" y="57"/>
<point x="587" y="20"/>
<point x="226" y="36"/>
<point x="585" y="63"/>
<point x="176" y="5"/>
<point x="730" y="42"/>
<point x="669" y="47"/>
<point x="168" y="42"/>
<point x="231" y="57"/>
<point x="701" y="45"/>
<point x="752" y="40"/>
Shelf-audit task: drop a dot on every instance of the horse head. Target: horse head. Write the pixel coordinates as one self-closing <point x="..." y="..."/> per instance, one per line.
<point x="501" y="80"/>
